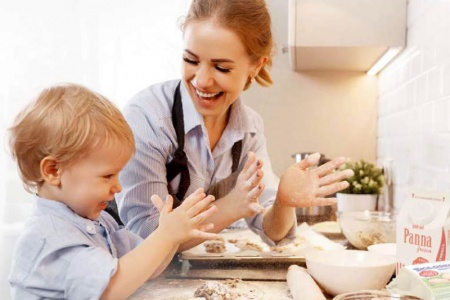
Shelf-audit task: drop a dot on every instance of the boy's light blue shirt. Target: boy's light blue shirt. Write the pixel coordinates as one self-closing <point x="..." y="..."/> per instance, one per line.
<point x="61" y="255"/>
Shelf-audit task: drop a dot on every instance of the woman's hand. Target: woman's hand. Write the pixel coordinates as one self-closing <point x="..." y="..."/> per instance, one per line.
<point x="184" y="222"/>
<point x="249" y="187"/>
<point x="302" y="186"/>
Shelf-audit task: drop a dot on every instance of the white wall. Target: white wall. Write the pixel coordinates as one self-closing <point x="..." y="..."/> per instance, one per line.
<point x="414" y="104"/>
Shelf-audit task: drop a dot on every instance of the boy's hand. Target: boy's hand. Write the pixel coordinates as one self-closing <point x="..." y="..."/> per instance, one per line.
<point x="184" y="222"/>
<point x="249" y="187"/>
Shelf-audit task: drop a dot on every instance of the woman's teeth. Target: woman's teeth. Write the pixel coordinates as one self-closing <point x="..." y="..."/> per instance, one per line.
<point x="206" y="95"/>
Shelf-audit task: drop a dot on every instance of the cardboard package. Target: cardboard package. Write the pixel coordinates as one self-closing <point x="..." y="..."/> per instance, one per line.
<point x="423" y="229"/>
<point x="426" y="281"/>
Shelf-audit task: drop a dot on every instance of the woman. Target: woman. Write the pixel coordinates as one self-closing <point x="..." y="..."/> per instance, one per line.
<point x="197" y="132"/>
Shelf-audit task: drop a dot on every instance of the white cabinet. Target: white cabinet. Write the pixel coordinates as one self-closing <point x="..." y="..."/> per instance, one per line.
<point x="349" y="35"/>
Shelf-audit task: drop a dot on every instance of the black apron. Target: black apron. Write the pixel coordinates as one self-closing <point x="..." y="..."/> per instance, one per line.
<point x="179" y="163"/>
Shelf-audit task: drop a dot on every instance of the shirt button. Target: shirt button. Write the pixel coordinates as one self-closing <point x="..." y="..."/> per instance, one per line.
<point x="89" y="228"/>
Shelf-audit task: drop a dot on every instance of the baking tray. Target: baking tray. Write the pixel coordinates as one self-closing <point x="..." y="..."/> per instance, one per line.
<point x="233" y="254"/>
<point x="293" y="253"/>
<point x="243" y="259"/>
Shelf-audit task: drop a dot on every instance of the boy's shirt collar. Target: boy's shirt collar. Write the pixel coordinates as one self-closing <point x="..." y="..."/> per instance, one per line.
<point x="51" y="207"/>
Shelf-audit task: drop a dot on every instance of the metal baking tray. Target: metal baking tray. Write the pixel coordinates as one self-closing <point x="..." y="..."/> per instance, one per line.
<point x="234" y="255"/>
<point x="293" y="253"/>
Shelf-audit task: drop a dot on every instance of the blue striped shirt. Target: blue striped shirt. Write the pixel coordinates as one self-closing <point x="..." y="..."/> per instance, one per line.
<point x="149" y="114"/>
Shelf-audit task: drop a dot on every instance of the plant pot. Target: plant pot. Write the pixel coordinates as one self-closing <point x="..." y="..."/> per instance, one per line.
<point x="356" y="202"/>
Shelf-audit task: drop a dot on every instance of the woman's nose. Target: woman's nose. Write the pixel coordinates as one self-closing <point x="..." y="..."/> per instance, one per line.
<point x="203" y="77"/>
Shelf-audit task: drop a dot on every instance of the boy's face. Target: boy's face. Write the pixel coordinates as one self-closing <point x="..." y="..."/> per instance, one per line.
<point x="90" y="183"/>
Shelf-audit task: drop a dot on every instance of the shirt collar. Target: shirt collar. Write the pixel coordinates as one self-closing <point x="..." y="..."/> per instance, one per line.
<point x="239" y="119"/>
<point x="191" y="116"/>
<point x="50" y="207"/>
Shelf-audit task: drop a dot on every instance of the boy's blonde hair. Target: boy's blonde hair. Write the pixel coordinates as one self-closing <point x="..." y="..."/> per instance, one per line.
<point x="65" y="122"/>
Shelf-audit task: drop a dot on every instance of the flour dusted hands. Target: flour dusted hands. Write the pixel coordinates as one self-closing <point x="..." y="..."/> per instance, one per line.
<point x="184" y="222"/>
<point x="302" y="186"/>
<point x="249" y="187"/>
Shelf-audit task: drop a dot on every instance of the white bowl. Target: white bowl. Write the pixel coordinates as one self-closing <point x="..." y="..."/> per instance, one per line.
<point x="384" y="248"/>
<point x="344" y="271"/>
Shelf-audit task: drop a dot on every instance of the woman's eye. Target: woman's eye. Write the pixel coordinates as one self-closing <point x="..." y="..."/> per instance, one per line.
<point x="223" y="70"/>
<point x="190" y="61"/>
<point x="108" y="176"/>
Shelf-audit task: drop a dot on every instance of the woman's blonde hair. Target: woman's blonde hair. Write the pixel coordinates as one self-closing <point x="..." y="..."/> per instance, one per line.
<point x="66" y="122"/>
<point x="249" y="19"/>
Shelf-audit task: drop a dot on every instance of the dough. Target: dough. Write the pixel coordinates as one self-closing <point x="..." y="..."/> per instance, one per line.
<point x="213" y="290"/>
<point x="247" y="245"/>
<point x="215" y="246"/>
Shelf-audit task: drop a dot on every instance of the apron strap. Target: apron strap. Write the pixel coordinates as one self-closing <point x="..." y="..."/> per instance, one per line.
<point x="236" y="155"/>
<point x="179" y="163"/>
<point x="114" y="211"/>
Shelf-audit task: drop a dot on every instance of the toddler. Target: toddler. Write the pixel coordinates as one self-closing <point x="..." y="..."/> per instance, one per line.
<point x="70" y="145"/>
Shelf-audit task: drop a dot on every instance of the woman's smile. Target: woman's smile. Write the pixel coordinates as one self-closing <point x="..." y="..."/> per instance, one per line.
<point x="207" y="99"/>
<point x="210" y="96"/>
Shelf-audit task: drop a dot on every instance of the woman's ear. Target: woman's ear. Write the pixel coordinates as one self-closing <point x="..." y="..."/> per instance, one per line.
<point x="50" y="170"/>
<point x="259" y="64"/>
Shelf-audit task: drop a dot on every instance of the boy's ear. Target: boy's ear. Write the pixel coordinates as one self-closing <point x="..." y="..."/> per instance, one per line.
<point x="50" y="170"/>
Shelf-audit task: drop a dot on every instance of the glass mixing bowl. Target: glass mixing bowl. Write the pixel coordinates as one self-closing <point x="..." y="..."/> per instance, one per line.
<point x="365" y="228"/>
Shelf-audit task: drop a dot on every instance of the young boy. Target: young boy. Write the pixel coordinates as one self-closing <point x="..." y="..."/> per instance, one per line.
<point x="70" y="145"/>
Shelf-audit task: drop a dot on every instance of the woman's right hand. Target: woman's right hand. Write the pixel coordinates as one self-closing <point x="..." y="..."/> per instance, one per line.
<point x="184" y="222"/>
<point x="301" y="185"/>
<point x="249" y="187"/>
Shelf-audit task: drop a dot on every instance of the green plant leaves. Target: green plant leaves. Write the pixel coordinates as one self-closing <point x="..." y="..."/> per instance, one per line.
<point x="368" y="178"/>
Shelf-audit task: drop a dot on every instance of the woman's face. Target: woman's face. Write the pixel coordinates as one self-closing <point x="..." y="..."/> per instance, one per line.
<point x="216" y="67"/>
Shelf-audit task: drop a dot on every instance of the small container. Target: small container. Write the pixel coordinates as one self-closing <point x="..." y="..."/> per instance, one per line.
<point x="371" y="295"/>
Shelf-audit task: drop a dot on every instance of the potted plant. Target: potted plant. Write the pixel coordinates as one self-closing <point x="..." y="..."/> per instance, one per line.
<point x="365" y="186"/>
